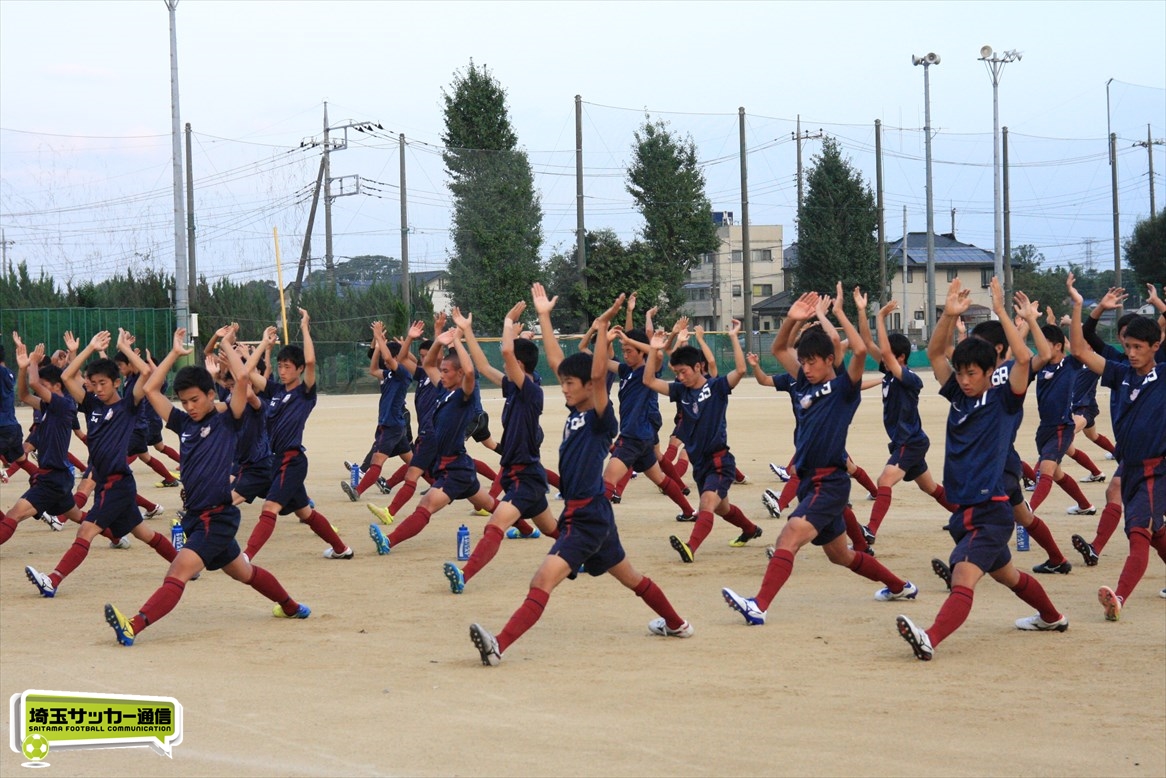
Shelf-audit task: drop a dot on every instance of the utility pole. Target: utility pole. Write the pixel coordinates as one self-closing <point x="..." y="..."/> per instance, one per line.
<point x="1007" y="222"/>
<point x="406" y="297"/>
<point x="884" y="292"/>
<point x="746" y="253"/>
<point x="799" y="136"/>
<point x="5" y="265"/>
<point x="181" y="295"/>
<point x="307" y="249"/>
<point x="903" y="250"/>
<point x="1149" y="145"/>
<point x="580" y="229"/>
<point x="193" y="277"/>
<point x="1116" y="217"/>
<point x="329" y="270"/>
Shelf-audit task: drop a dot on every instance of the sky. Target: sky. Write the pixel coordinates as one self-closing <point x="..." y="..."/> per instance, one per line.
<point x="85" y="117"/>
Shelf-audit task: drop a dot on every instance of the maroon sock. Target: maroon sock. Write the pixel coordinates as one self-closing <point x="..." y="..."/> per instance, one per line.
<point x="523" y="526"/>
<point x="323" y="529"/>
<point x="403" y="495"/>
<point x="608" y="489"/>
<point x="777" y="572"/>
<point x="1105" y="443"/>
<point x="1044" y="485"/>
<point x="77" y="464"/>
<point x="623" y="482"/>
<point x="1158" y="541"/>
<point x="1073" y="490"/>
<point x="670" y="471"/>
<point x="1081" y="458"/>
<point x="70" y="561"/>
<point x="941" y="497"/>
<point x="412" y="525"/>
<point x="144" y="503"/>
<point x="496" y="485"/>
<point x="260" y="534"/>
<point x="700" y="530"/>
<point x="524" y="618"/>
<point x="7" y="527"/>
<point x="553" y="479"/>
<point x="24" y="464"/>
<point x="864" y="481"/>
<point x="1030" y="590"/>
<point x="398" y="475"/>
<point x="1040" y="532"/>
<point x="854" y="531"/>
<point x="161" y="602"/>
<point x="160" y="469"/>
<point x="670" y="454"/>
<point x="952" y="614"/>
<point x="484" y="469"/>
<point x="161" y="544"/>
<point x="168" y="451"/>
<point x="484" y="551"/>
<point x="1027" y="471"/>
<point x="370" y="477"/>
<point x="738" y="519"/>
<point x="738" y="476"/>
<point x="869" y="567"/>
<point x="879" y="511"/>
<point x="266" y="584"/>
<point x="80" y="498"/>
<point x="1136" y="563"/>
<point x="675" y="493"/>
<point x="681" y="468"/>
<point x="788" y="492"/>
<point x="1106" y="525"/>
<point x="655" y="599"/>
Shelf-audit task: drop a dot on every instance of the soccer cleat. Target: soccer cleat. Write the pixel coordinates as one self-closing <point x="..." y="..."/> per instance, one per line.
<point x="1162" y="594"/>
<point x="154" y="512"/>
<point x="486" y="644"/>
<point x="514" y="534"/>
<point x="346" y="487"/>
<point x="331" y="553"/>
<point x="379" y="538"/>
<point x="54" y="522"/>
<point x="479" y="512"/>
<point x="681" y="548"/>
<point x="1086" y="551"/>
<point x="169" y="483"/>
<point x="381" y="513"/>
<point x="40" y="581"/>
<point x="916" y="638"/>
<point x="744" y="479"/>
<point x="1029" y="485"/>
<point x="121" y="625"/>
<point x="1048" y="567"/>
<point x="1109" y="455"/>
<point x="660" y="627"/>
<point x="457" y="581"/>
<point x="3" y="476"/>
<point x="1076" y="510"/>
<point x="780" y="472"/>
<point x="1035" y="623"/>
<point x="908" y="593"/>
<point x="940" y="568"/>
<point x="770" y="500"/>
<point x="683" y="517"/>
<point x="616" y="499"/>
<point x="686" y="491"/>
<point x="121" y="543"/>
<point x="1106" y="596"/>
<point x="302" y="612"/>
<point x="871" y="497"/>
<point x="1093" y="479"/>
<point x="867" y="535"/>
<point x="746" y="606"/>
<point x="745" y="537"/>
<point x="770" y="551"/>
<point x="383" y="485"/>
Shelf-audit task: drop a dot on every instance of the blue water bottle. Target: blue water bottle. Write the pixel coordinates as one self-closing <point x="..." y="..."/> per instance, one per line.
<point x="1021" y="538"/>
<point x="463" y="543"/>
<point x="355" y="476"/>
<point x="177" y="536"/>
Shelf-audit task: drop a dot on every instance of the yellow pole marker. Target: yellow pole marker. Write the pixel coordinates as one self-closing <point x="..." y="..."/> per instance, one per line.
<point x="279" y="278"/>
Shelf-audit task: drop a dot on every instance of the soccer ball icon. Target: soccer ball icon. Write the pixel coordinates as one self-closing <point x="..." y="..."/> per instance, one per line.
<point x="35" y="746"/>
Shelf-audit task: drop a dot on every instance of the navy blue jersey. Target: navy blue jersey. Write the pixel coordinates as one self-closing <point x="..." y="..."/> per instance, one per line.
<point x="521" y="434"/>
<point x="252" y="443"/>
<point x="1054" y="393"/>
<point x="980" y="431"/>
<point x="451" y="414"/>
<point x="142" y="417"/>
<point x="901" y="407"/>
<point x="587" y="438"/>
<point x="109" y="429"/>
<point x="391" y="410"/>
<point x="7" y="397"/>
<point x="475" y="406"/>
<point x="206" y="448"/>
<point x="287" y="414"/>
<point x="825" y="411"/>
<point x="1139" y="419"/>
<point x="1084" y="384"/>
<point x="424" y="400"/>
<point x="52" y="443"/>
<point x="1000" y="377"/>
<point x="702" y="426"/>
<point x="637" y="404"/>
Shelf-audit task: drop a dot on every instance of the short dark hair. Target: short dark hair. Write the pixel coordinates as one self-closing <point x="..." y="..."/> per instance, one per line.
<point x="394" y="347"/>
<point x="193" y="377"/>
<point x="687" y="356"/>
<point x="50" y="374"/>
<point x="900" y="344"/>
<point x="1143" y="329"/>
<point x="451" y="356"/>
<point x="815" y="343"/>
<point x="577" y="365"/>
<point x="103" y="367"/>
<point x="991" y="331"/>
<point x="425" y="345"/>
<point x="526" y="353"/>
<point x="121" y="358"/>
<point x="1124" y="321"/>
<point x="976" y="352"/>
<point x="1" y="352"/>
<point x="1053" y="334"/>
<point x="638" y="334"/>
<point x="291" y="353"/>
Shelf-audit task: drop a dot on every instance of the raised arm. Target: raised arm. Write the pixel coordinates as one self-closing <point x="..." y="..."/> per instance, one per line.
<point x="469" y="375"/>
<point x="655" y="359"/>
<point x="378" y="340"/>
<point x="309" y="350"/>
<point x="801" y="311"/>
<point x="1029" y="311"/>
<point x="510" y="328"/>
<point x="1081" y="349"/>
<point x="860" y="305"/>
<point x="599" y="367"/>
<point x="759" y="375"/>
<point x="734" y="376"/>
<point x="1021" y="356"/>
<point x="543" y="307"/>
<point x="629" y="319"/>
<point x="958" y="301"/>
<point x="125" y="344"/>
<point x="465" y="325"/>
<point x="857" y="364"/>
<point x="885" y="352"/>
<point x="24" y="366"/>
<point x="71" y="376"/>
<point x="406" y="356"/>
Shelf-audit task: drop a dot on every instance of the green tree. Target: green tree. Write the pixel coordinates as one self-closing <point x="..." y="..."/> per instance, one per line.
<point x="497" y="218"/>
<point x="18" y="289"/>
<point x="668" y="187"/>
<point x="1145" y="250"/>
<point x="836" y="228"/>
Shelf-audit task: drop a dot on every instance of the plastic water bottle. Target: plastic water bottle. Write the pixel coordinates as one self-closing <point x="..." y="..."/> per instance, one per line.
<point x="177" y="536"/>
<point x="1021" y="538"/>
<point x="463" y="543"/>
<point x="355" y="476"/>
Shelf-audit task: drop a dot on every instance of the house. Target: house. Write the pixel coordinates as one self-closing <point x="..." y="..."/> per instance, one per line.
<point x="715" y="287"/>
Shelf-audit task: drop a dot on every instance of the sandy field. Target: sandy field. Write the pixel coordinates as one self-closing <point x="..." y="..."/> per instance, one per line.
<point x="383" y="679"/>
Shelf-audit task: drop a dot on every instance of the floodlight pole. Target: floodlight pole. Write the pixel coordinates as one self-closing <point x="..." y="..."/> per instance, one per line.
<point x="927" y="61"/>
<point x="995" y="61"/>
<point x="181" y="290"/>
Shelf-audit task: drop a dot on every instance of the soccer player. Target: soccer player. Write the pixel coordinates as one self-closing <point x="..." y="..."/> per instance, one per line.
<point x="1139" y="426"/>
<point x="828" y="397"/>
<point x="452" y="470"/>
<point x="979" y="435"/>
<point x="111" y="422"/>
<point x="207" y="434"/>
<point x="588" y="537"/>
<point x="13" y="453"/>
<point x="131" y="373"/>
<point x="290" y="401"/>
<point x="908" y="442"/>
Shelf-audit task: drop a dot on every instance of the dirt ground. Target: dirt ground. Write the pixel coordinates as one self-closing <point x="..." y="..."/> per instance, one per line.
<point x="383" y="679"/>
